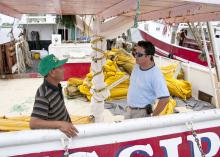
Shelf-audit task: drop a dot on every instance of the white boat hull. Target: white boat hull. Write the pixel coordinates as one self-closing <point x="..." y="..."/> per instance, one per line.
<point x="153" y="136"/>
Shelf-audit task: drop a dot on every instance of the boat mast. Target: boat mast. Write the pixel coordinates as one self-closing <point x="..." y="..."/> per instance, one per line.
<point x="98" y="90"/>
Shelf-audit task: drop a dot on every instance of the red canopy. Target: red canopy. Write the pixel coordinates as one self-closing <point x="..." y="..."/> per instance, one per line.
<point x="171" y="10"/>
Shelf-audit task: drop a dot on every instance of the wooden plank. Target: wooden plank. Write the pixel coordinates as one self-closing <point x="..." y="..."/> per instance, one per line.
<point x="8" y="58"/>
<point x="5" y="66"/>
<point x="12" y="54"/>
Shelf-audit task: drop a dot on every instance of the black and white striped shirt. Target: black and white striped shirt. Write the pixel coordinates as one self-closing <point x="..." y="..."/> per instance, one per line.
<point x="49" y="103"/>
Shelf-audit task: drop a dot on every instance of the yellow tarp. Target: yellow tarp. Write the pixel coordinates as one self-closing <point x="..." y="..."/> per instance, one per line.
<point x="169" y="109"/>
<point x="22" y="122"/>
<point x="179" y="88"/>
<point x="112" y="74"/>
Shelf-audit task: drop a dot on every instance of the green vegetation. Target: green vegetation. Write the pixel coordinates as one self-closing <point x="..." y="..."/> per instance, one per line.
<point x="6" y="25"/>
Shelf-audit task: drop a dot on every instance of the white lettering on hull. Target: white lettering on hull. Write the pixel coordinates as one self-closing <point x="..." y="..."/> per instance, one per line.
<point x="213" y="144"/>
<point x="169" y="147"/>
<point x="138" y="149"/>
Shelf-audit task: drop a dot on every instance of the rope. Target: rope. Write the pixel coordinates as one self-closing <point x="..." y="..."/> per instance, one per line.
<point x="95" y="74"/>
<point x="100" y="38"/>
<point x="84" y="117"/>
<point x="20" y="59"/>
<point x="98" y="97"/>
<point x="96" y="59"/>
<point x="23" y="56"/>
<point x="195" y="33"/>
<point x="100" y="90"/>
<point x="26" y="53"/>
<point x="65" y="142"/>
<point x="97" y="49"/>
<point x="100" y="58"/>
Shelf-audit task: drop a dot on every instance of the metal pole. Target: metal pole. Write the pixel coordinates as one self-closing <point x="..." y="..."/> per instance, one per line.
<point x="195" y="35"/>
<point x="209" y="65"/>
<point x="215" y="50"/>
<point x="64" y="32"/>
<point x="75" y="32"/>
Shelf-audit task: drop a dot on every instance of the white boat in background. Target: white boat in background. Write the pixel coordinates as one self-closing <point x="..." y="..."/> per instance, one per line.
<point x="8" y="23"/>
<point x="177" y="135"/>
<point x="164" y="37"/>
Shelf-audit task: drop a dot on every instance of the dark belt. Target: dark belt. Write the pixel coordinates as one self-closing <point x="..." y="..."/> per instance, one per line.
<point x="148" y="108"/>
<point x="137" y="108"/>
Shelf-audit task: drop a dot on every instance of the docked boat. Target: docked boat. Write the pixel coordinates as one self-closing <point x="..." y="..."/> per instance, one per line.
<point x="165" y="38"/>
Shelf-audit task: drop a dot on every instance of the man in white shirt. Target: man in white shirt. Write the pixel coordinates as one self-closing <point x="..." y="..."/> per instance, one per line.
<point x="147" y="84"/>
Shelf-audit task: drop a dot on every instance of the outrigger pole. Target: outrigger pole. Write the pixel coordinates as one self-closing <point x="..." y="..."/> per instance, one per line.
<point x="209" y="66"/>
<point x="215" y="50"/>
<point x="216" y="57"/>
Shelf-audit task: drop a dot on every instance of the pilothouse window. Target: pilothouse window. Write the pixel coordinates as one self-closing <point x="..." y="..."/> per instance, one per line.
<point x="146" y="27"/>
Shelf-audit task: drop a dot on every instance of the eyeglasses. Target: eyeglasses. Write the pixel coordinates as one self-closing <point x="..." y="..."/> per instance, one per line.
<point x="138" y="54"/>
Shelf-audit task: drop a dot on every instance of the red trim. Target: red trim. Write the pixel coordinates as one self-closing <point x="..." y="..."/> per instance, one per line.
<point x="76" y="70"/>
<point x="189" y="55"/>
<point x="112" y="150"/>
<point x="71" y="70"/>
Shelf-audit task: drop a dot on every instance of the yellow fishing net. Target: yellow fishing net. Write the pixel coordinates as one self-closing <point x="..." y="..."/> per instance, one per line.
<point x="22" y="122"/>
<point x="120" y="63"/>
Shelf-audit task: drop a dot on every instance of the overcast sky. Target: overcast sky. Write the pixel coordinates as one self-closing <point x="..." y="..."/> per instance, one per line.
<point x="5" y="18"/>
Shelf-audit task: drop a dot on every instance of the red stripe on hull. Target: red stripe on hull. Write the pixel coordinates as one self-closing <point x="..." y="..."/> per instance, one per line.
<point x="189" y="55"/>
<point x="76" y="70"/>
<point x="113" y="150"/>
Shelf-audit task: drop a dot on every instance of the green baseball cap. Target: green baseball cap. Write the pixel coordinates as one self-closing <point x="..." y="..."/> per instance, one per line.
<point x="48" y="63"/>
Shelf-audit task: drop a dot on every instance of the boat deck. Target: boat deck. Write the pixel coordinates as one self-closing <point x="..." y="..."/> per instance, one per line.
<point x="17" y="99"/>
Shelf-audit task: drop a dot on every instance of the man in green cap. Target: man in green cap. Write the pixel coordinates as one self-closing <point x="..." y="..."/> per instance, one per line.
<point x="49" y="111"/>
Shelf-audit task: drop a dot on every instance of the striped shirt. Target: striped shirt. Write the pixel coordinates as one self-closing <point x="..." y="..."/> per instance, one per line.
<point x="49" y="103"/>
